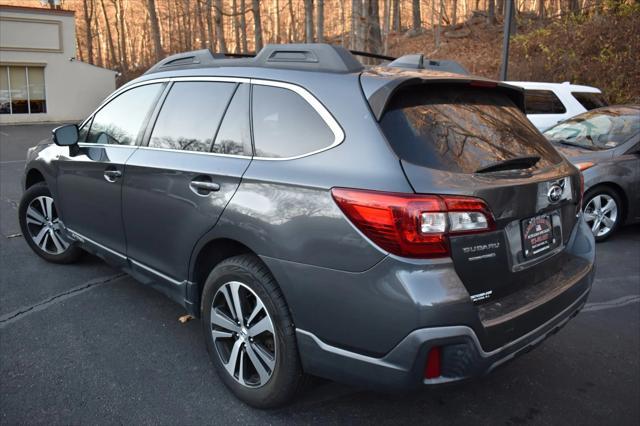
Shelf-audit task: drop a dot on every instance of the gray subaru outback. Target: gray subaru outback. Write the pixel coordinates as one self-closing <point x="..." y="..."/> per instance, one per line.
<point x="392" y="227"/>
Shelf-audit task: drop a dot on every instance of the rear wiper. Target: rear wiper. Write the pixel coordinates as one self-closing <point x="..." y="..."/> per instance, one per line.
<point x="510" y="164"/>
<point x="569" y="143"/>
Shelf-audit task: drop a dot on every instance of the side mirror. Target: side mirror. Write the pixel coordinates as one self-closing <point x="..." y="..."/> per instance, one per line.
<point x="66" y="135"/>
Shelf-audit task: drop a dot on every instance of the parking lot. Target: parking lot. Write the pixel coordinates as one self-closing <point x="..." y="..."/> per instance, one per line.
<point x="84" y="343"/>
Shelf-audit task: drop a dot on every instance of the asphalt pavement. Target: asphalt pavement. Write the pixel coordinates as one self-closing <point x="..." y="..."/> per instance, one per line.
<point x="85" y="344"/>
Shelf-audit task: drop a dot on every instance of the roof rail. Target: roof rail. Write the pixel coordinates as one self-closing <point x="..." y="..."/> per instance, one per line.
<point x="417" y="61"/>
<point x="309" y="56"/>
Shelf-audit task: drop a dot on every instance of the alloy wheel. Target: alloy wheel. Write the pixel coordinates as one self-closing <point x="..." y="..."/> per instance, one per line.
<point x="44" y="226"/>
<point x="601" y="213"/>
<point x="243" y="334"/>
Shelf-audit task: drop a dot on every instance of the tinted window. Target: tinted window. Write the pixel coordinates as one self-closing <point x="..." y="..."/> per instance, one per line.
<point x="543" y="102"/>
<point x="190" y="115"/>
<point x="120" y="121"/>
<point x="595" y="130"/>
<point x="590" y="100"/>
<point x="234" y="135"/>
<point x="461" y="129"/>
<point x="285" y="125"/>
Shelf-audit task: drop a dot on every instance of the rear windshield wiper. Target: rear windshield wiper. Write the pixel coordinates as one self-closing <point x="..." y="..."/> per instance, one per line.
<point x="516" y="163"/>
<point x="578" y="145"/>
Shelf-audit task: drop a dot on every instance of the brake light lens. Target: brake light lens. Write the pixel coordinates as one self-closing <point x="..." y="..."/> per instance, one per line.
<point x="432" y="368"/>
<point x="581" y="196"/>
<point x="411" y="225"/>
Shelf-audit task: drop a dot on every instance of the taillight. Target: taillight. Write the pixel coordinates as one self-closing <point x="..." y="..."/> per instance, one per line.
<point x="581" y="196"/>
<point x="411" y="225"/>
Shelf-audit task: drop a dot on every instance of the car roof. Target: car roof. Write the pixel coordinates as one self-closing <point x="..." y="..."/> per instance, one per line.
<point x="553" y="86"/>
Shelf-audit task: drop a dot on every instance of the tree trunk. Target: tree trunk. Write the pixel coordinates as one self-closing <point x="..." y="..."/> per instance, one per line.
<point x="211" y="44"/>
<point x="258" y="25"/>
<point x="155" y="30"/>
<point x="308" y="21"/>
<point x="397" y="21"/>
<point x="417" y="20"/>
<point x="203" y="41"/>
<point x="386" y="24"/>
<point x="320" y="18"/>
<point x="112" y="51"/>
<point x="122" y="42"/>
<point x="277" y="29"/>
<point x="491" y="12"/>
<point x="541" y="9"/>
<point x="88" y="16"/>
<point x="292" y="19"/>
<point x="236" y="25"/>
<point x="243" y="27"/>
<point x="96" y="24"/>
<point x="454" y="12"/>
<point x="374" y="37"/>
<point x="356" y="10"/>
<point x="219" y="20"/>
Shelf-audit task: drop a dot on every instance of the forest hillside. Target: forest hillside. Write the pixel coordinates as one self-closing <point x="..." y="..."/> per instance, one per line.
<point x="592" y="42"/>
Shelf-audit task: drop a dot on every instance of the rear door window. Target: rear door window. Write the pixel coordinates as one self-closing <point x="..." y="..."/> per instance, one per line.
<point x="461" y="129"/>
<point x="286" y="125"/>
<point x="190" y="115"/>
<point x="543" y="102"/>
<point x="590" y="100"/>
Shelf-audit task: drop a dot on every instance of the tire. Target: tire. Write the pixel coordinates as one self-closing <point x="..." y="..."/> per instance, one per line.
<point x="41" y="226"/>
<point x="602" y="209"/>
<point x="271" y="372"/>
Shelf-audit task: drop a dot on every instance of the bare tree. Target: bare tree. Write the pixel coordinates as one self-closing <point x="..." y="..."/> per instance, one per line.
<point x="454" y="11"/>
<point x="258" y="24"/>
<point x="155" y="30"/>
<point x="219" y="20"/>
<point x="88" y="17"/>
<point x="320" y="19"/>
<point x="397" y="19"/>
<point x="491" y="12"/>
<point x="373" y="36"/>
<point x="243" y="26"/>
<point x="356" y="11"/>
<point x="308" y="21"/>
<point x="415" y="14"/>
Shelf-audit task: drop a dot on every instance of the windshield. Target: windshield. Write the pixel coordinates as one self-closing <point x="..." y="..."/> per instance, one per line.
<point x="462" y="129"/>
<point x="598" y="129"/>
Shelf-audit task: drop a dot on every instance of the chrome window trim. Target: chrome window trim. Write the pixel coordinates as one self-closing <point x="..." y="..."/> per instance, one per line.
<point x="317" y="106"/>
<point x="182" y="151"/>
<point x="322" y="111"/>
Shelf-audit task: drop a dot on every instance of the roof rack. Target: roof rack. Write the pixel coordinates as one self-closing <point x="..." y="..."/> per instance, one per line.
<point x="310" y="57"/>
<point x="307" y="56"/>
<point x="418" y="61"/>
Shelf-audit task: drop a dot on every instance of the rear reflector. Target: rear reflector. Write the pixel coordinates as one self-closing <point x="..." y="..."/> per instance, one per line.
<point x="412" y="225"/>
<point x="432" y="368"/>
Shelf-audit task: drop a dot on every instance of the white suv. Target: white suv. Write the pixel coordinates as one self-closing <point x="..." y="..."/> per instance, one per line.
<point x="550" y="103"/>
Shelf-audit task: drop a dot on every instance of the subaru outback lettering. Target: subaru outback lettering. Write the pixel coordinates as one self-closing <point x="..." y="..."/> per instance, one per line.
<point x="386" y="227"/>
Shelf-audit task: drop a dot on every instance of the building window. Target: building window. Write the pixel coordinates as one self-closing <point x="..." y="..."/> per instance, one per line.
<point x="22" y="90"/>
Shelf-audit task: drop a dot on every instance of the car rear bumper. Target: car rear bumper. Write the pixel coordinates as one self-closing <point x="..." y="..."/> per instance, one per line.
<point x="463" y="356"/>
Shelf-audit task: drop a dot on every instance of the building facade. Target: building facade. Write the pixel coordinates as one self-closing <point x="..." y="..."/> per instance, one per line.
<point x="40" y="79"/>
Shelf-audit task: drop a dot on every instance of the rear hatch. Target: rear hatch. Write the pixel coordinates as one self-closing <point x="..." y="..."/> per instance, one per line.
<point x="474" y="140"/>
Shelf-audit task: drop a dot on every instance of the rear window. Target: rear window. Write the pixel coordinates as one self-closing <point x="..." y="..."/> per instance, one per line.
<point x="461" y="129"/>
<point x="543" y="102"/>
<point x="590" y="100"/>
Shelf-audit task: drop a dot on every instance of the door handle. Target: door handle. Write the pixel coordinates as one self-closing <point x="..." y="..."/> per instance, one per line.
<point x="112" y="174"/>
<point x="203" y="187"/>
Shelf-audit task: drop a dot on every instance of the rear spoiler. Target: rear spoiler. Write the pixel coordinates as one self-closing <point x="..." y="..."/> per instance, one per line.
<point x="379" y="91"/>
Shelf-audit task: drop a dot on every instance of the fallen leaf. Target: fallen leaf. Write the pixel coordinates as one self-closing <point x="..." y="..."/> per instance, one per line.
<point x="185" y="318"/>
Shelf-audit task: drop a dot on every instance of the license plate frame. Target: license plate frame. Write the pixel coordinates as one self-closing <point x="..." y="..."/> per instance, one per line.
<point x="538" y="236"/>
